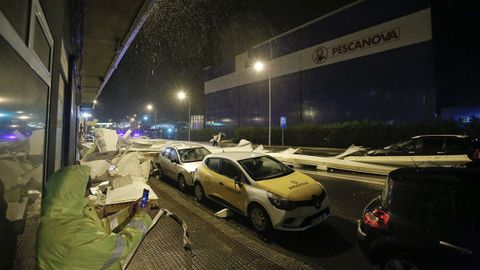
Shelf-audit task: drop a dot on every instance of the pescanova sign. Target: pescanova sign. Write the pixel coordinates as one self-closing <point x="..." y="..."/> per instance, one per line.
<point x="321" y="53"/>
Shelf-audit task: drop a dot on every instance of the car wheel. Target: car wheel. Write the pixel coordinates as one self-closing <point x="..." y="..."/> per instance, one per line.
<point x="260" y="219"/>
<point x="199" y="193"/>
<point x="182" y="184"/>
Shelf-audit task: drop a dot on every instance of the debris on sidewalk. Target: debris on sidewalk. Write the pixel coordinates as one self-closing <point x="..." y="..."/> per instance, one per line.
<point x="224" y="213"/>
<point x="118" y="171"/>
<point x="121" y="181"/>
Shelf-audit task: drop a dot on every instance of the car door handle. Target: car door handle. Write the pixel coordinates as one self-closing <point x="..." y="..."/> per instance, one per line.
<point x="221" y="184"/>
<point x="441" y="152"/>
<point x="457" y="248"/>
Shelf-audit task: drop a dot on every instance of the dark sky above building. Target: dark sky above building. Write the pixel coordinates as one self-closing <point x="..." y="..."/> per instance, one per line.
<point x="182" y="37"/>
<point x="457" y="51"/>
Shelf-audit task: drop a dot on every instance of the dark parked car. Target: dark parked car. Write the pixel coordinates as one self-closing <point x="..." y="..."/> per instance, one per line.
<point x="426" y="218"/>
<point x="432" y="145"/>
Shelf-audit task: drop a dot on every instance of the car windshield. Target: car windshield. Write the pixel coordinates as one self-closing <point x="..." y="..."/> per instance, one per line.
<point x="262" y="168"/>
<point x="193" y="154"/>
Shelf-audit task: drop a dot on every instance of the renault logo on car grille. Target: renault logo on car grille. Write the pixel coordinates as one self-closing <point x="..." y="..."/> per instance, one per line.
<point x="316" y="201"/>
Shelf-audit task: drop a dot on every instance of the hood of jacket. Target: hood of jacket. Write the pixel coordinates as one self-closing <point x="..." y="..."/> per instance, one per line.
<point x="65" y="192"/>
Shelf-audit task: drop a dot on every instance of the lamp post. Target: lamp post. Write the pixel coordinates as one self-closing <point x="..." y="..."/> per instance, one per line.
<point x="182" y="96"/>
<point x="150" y="108"/>
<point x="259" y="66"/>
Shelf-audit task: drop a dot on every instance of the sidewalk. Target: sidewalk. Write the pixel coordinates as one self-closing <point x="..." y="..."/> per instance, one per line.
<point x="215" y="244"/>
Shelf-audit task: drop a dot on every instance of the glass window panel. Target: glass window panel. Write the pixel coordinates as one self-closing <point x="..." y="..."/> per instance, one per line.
<point x="213" y="164"/>
<point x="17" y="13"/>
<point x="173" y="155"/>
<point x="230" y="170"/>
<point x="59" y="135"/>
<point x="166" y="152"/>
<point x="23" y="104"/>
<point x="41" y="45"/>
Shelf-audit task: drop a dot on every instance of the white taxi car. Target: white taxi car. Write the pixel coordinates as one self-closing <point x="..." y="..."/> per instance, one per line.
<point x="179" y="161"/>
<point x="262" y="188"/>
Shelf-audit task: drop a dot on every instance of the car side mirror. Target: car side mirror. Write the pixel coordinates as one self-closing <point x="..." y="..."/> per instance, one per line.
<point x="238" y="181"/>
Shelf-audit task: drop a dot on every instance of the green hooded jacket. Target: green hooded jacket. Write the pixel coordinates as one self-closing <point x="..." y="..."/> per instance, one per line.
<point x="71" y="235"/>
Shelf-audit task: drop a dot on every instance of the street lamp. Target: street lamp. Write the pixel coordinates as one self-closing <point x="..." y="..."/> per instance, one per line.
<point x="150" y="108"/>
<point x="182" y="96"/>
<point x="259" y="66"/>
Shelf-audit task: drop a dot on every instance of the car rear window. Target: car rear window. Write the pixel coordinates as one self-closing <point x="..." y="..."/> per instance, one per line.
<point x="401" y="194"/>
<point x="438" y="203"/>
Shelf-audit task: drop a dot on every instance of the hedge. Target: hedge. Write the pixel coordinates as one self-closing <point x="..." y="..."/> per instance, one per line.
<point x="202" y="135"/>
<point x="341" y="135"/>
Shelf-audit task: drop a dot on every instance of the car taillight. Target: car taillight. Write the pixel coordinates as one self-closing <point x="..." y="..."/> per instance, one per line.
<point x="377" y="218"/>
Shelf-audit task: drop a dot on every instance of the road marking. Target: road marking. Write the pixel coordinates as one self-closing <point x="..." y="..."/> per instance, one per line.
<point x="349" y="177"/>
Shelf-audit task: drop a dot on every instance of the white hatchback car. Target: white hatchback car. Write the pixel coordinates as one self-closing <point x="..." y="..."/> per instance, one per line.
<point x="179" y="161"/>
<point x="262" y="188"/>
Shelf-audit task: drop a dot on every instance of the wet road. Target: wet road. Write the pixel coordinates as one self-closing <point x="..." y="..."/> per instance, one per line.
<point x="349" y="193"/>
<point x="331" y="245"/>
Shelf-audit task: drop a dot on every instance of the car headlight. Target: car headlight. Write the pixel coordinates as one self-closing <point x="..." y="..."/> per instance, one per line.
<point x="280" y="202"/>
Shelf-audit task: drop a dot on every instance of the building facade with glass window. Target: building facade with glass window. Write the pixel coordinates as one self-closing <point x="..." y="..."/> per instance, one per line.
<point x="355" y="63"/>
<point x="54" y="59"/>
<point x="38" y="100"/>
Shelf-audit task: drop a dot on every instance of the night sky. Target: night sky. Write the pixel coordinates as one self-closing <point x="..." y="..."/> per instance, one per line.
<point x="182" y="37"/>
<point x="456" y="36"/>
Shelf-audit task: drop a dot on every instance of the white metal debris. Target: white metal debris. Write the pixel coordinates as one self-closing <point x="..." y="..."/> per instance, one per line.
<point x="106" y="139"/>
<point x="129" y="193"/>
<point x="325" y="163"/>
<point x="412" y="161"/>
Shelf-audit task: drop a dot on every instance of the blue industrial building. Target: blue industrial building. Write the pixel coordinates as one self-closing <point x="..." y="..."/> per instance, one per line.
<point x="352" y="64"/>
